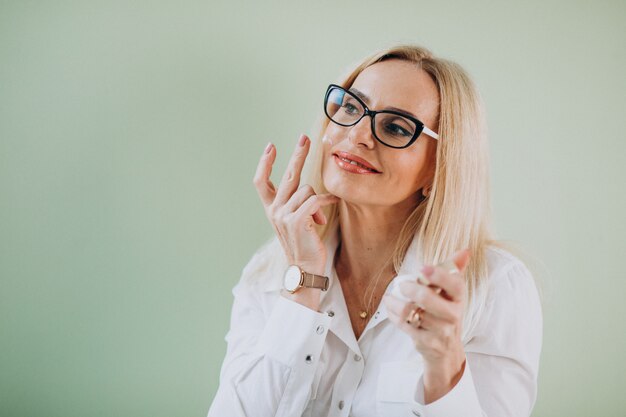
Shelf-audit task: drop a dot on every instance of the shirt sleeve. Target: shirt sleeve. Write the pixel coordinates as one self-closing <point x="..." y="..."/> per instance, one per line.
<point x="270" y="361"/>
<point x="502" y="358"/>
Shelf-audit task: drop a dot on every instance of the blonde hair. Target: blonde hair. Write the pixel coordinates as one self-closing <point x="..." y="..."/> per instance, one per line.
<point x="457" y="213"/>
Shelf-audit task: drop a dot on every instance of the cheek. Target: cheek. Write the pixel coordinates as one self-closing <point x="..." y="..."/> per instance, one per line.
<point x="334" y="134"/>
<point x="329" y="140"/>
<point x="330" y="137"/>
<point x="410" y="174"/>
<point x="327" y="146"/>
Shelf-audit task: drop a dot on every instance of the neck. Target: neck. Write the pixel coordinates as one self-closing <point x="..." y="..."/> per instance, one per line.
<point x="368" y="235"/>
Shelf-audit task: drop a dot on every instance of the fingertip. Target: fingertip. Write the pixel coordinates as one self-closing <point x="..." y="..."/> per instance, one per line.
<point x="427" y="270"/>
<point x="269" y="152"/>
<point x="462" y="258"/>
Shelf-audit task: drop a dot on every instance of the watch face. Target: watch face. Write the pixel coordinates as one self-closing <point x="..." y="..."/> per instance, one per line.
<point x="292" y="278"/>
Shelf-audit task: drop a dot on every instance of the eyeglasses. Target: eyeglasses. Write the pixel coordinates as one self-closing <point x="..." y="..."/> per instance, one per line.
<point x="391" y="128"/>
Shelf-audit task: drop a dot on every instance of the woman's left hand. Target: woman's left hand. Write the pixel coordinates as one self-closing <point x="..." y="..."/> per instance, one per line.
<point x="437" y="334"/>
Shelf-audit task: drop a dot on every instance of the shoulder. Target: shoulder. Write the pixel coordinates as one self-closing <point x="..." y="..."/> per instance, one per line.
<point x="508" y="273"/>
<point x="506" y="289"/>
<point x="512" y="295"/>
<point x="511" y="323"/>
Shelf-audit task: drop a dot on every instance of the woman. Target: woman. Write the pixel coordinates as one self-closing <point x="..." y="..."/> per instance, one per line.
<point x="383" y="293"/>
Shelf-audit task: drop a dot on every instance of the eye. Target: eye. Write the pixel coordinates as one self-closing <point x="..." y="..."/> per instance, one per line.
<point x="397" y="130"/>
<point x="350" y="108"/>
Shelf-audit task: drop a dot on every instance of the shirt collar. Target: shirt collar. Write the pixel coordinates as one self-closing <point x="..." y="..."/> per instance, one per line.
<point x="330" y="300"/>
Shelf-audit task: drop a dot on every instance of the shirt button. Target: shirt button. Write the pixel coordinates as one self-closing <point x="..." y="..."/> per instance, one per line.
<point x="340" y="405"/>
<point x="331" y="313"/>
<point x="376" y="315"/>
<point x="320" y="329"/>
<point x="308" y="359"/>
<point x="357" y="357"/>
<point x="415" y="412"/>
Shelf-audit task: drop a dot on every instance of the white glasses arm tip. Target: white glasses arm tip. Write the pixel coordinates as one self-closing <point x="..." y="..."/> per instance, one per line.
<point x="430" y="133"/>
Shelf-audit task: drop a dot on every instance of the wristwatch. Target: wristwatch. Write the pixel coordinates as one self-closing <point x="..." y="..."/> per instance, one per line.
<point x="296" y="278"/>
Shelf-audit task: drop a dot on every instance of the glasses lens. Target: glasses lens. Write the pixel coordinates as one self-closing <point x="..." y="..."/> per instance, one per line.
<point x="391" y="129"/>
<point x="342" y="107"/>
<point x="394" y="130"/>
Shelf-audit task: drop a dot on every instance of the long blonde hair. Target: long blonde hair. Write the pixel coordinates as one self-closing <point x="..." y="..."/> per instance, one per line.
<point x="457" y="213"/>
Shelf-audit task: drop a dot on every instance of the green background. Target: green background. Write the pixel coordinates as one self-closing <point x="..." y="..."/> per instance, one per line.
<point x="129" y="136"/>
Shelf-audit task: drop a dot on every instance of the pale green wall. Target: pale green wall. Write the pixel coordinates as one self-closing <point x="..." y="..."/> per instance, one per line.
<point x="129" y="135"/>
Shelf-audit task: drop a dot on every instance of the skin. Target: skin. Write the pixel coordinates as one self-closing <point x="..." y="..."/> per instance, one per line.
<point x="372" y="209"/>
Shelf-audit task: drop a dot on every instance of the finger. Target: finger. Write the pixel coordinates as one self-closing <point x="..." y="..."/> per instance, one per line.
<point x="461" y="259"/>
<point x="264" y="186"/>
<point x="453" y="284"/>
<point x="400" y="321"/>
<point x="299" y="197"/>
<point x="314" y="203"/>
<point x="319" y="217"/>
<point x="448" y="275"/>
<point x="458" y="261"/>
<point x="451" y="281"/>
<point x="291" y="179"/>
<point x="433" y="323"/>
<point x="428" y="299"/>
<point x="401" y="309"/>
<point x="397" y="306"/>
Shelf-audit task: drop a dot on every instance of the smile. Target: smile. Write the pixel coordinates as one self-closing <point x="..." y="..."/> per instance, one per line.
<point x="353" y="166"/>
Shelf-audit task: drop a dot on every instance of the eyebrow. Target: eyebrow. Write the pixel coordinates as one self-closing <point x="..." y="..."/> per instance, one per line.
<point x="366" y="99"/>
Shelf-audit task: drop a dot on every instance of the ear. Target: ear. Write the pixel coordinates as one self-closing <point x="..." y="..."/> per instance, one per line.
<point x="430" y="167"/>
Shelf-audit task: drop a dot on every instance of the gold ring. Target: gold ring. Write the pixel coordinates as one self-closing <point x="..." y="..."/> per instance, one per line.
<point x="413" y="318"/>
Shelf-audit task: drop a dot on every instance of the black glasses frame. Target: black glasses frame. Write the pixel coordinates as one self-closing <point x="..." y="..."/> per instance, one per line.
<point x="372" y="114"/>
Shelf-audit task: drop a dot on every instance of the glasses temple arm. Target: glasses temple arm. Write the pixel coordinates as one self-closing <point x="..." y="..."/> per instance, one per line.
<point x="430" y="133"/>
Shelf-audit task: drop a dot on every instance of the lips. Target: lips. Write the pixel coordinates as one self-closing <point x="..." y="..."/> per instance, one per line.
<point x="349" y="161"/>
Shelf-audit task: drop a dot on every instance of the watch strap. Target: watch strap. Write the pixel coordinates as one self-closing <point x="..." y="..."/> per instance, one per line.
<point x="315" y="281"/>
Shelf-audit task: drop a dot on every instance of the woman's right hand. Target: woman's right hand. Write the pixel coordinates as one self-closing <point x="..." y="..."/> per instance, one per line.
<point x="292" y="211"/>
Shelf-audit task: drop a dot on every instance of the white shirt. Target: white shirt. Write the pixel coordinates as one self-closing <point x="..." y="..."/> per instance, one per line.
<point x="285" y="360"/>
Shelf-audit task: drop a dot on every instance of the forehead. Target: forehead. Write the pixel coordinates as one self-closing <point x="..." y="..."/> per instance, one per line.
<point x="400" y="84"/>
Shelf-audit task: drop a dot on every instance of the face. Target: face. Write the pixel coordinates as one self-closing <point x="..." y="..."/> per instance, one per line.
<point x="401" y="173"/>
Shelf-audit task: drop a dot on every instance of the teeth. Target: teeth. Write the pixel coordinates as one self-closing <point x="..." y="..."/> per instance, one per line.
<point x="356" y="163"/>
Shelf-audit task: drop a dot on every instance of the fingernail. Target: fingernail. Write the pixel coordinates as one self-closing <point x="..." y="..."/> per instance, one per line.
<point x="268" y="148"/>
<point x="302" y="140"/>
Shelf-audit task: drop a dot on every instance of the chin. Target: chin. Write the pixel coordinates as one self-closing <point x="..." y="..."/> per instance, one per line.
<point x="350" y="193"/>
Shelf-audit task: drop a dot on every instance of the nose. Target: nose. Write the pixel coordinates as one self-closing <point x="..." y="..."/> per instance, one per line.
<point x="361" y="133"/>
